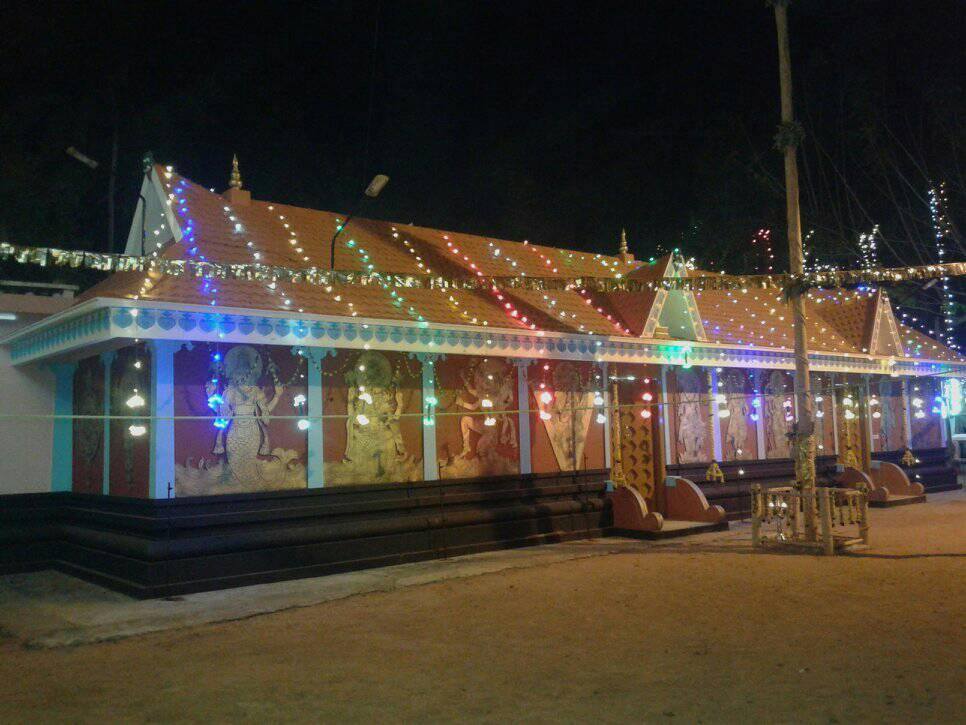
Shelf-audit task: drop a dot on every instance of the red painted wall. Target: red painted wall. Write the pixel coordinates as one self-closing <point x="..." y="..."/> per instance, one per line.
<point x="130" y="455"/>
<point x="88" y="435"/>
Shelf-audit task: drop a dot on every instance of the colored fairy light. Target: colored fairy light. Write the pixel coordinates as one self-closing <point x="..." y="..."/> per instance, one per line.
<point x="432" y="400"/>
<point x="755" y="417"/>
<point x="489" y="421"/>
<point x="546" y="397"/>
<point x="429" y="420"/>
<point x="724" y="413"/>
<point x="220" y="423"/>
<point x="645" y="413"/>
<point x="601" y="418"/>
<point x="299" y="399"/>
<point x="137" y="430"/>
<point x="303" y="424"/>
<point x="598" y="399"/>
<point x="544" y="415"/>
<point x="486" y="403"/>
<point x="362" y="419"/>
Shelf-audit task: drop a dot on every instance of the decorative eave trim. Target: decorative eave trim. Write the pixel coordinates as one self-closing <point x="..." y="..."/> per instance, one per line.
<point x="107" y="320"/>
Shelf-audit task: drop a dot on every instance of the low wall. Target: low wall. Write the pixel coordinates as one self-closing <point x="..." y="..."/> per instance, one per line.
<point x="160" y="548"/>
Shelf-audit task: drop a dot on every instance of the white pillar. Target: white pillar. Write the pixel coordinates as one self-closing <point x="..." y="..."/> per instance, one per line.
<point x="315" y="473"/>
<point x="605" y="393"/>
<point x="760" y="415"/>
<point x="835" y="415"/>
<point x="107" y="359"/>
<point x="907" y="404"/>
<point x="666" y="417"/>
<point x="430" y="464"/>
<point x="161" y="462"/>
<point x="62" y="458"/>
<point x="715" y="420"/>
<point x="523" y="416"/>
<point x="868" y="413"/>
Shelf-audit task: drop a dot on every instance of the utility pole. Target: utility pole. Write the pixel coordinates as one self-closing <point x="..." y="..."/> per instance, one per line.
<point x="787" y="139"/>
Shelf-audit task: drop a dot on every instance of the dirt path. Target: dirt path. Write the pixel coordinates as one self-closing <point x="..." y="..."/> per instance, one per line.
<point x="685" y="633"/>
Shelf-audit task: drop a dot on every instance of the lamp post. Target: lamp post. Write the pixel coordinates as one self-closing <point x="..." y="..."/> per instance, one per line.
<point x="787" y="140"/>
<point x="377" y="184"/>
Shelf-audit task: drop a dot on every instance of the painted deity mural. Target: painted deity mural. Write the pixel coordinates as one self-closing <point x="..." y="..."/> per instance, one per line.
<point x="378" y="440"/>
<point x="472" y="437"/>
<point x="739" y="433"/>
<point x="925" y="424"/>
<point x="779" y="412"/>
<point x="689" y="397"/>
<point x="564" y="433"/>
<point x="888" y="415"/>
<point x="240" y="447"/>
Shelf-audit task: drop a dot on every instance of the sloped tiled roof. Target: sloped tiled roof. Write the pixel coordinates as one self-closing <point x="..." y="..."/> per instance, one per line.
<point x="278" y="234"/>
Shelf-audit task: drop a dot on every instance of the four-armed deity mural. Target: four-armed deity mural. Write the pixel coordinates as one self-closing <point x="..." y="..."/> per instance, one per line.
<point x="241" y="448"/>
<point x="378" y="394"/>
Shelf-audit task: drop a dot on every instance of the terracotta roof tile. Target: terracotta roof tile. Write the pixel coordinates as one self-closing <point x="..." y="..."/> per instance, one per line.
<point x="279" y="234"/>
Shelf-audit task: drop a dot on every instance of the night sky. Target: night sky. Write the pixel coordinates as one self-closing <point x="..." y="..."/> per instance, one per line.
<point x="555" y="123"/>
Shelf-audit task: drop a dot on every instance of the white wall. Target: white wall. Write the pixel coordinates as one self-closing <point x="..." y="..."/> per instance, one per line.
<point x="25" y="444"/>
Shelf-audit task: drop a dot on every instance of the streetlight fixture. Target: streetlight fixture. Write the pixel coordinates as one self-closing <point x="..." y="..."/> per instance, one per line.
<point x="375" y="187"/>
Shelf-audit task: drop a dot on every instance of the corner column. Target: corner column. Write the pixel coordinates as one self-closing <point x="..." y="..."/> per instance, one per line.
<point x="161" y="464"/>
<point x="523" y="414"/>
<point x="715" y="418"/>
<point x="62" y="458"/>
<point x="107" y="359"/>
<point x="666" y="417"/>
<point x="606" y="394"/>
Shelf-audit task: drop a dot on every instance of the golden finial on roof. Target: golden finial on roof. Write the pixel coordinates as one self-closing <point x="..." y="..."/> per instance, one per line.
<point x="622" y="252"/>
<point x="714" y="473"/>
<point x="235" y="182"/>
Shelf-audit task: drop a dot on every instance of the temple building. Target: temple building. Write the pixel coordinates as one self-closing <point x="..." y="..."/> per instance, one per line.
<point x="263" y="429"/>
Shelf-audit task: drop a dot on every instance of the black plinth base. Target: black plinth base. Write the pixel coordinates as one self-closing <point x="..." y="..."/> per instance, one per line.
<point x="163" y="548"/>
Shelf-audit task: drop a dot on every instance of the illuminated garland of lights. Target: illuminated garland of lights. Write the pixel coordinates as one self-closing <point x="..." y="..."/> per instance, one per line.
<point x="396" y="299"/>
<point x="103" y="262"/>
<point x="508" y="307"/>
<point x="942" y="230"/>
<point x="452" y="298"/>
<point x="868" y="250"/>
<point x="762" y="241"/>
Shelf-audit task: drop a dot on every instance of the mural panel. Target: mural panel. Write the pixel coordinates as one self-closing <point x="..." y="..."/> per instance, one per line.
<point x="564" y="433"/>
<point x="690" y="416"/>
<point x="88" y="435"/>
<point x="887" y="408"/>
<point x="241" y="447"/>
<point x="473" y="438"/>
<point x="926" y="431"/>
<point x="823" y="405"/>
<point x="130" y="395"/>
<point x="739" y="432"/>
<point x="779" y="412"/>
<point x="377" y="437"/>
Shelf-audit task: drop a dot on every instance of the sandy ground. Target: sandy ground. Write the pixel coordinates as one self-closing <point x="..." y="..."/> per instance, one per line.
<point x="689" y="631"/>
